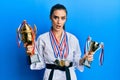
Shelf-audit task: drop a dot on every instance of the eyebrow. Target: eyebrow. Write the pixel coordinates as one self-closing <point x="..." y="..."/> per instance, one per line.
<point x="58" y="16"/>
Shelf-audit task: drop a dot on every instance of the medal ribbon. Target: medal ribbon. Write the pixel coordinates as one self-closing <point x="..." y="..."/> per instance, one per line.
<point x="101" y="58"/>
<point x="60" y="49"/>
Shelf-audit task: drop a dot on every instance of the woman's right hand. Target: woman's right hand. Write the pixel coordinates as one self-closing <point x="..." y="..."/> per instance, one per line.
<point x="29" y="49"/>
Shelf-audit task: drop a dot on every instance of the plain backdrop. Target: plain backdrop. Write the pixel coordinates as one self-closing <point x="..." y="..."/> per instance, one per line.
<point x="98" y="18"/>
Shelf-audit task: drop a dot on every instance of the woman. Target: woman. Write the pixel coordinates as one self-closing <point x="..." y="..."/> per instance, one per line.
<point x="58" y="51"/>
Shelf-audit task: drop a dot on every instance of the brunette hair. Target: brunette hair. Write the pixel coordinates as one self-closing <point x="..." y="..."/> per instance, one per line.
<point x="58" y="7"/>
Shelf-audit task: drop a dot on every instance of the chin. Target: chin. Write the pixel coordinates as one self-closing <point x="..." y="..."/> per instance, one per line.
<point x="58" y="30"/>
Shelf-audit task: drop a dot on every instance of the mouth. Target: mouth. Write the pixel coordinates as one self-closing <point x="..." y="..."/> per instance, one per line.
<point x="58" y="26"/>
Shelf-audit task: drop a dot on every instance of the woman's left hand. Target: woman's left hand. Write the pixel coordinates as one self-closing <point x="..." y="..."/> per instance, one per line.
<point x="89" y="56"/>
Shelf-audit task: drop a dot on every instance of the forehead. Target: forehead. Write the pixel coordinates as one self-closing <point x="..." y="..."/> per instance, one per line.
<point x="59" y="12"/>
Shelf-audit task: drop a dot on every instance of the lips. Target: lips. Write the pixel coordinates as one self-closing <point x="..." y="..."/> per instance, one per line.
<point x="58" y="26"/>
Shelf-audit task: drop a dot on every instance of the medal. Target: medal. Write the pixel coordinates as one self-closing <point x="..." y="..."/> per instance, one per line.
<point x="62" y="63"/>
<point x="56" y="62"/>
<point x="67" y="63"/>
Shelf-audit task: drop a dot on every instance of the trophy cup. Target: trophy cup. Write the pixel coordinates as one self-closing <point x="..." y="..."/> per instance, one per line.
<point x="27" y="35"/>
<point x="91" y="47"/>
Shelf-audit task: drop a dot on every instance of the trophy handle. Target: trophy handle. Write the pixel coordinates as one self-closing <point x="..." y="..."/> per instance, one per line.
<point x="35" y="29"/>
<point x="87" y="49"/>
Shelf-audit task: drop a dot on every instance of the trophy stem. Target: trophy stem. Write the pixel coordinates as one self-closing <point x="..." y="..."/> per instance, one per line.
<point x="87" y="63"/>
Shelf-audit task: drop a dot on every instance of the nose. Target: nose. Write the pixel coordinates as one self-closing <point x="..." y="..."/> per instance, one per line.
<point x="59" y="21"/>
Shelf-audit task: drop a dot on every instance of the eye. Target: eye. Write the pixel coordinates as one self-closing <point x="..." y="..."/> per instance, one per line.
<point x="63" y="18"/>
<point x="55" y="17"/>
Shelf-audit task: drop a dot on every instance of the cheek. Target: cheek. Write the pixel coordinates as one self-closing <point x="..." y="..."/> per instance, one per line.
<point x="64" y="22"/>
<point x="54" y="22"/>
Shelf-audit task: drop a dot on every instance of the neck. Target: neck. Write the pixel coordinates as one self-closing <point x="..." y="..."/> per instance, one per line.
<point x="58" y="34"/>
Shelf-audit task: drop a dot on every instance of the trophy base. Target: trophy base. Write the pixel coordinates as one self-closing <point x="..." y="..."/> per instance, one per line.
<point x="87" y="64"/>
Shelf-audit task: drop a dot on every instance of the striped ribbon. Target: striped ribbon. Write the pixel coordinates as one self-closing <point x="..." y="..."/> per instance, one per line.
<point x="61" y="49"/>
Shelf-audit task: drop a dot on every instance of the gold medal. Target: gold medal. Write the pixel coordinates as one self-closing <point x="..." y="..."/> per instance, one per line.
<point x="62" y="63"/>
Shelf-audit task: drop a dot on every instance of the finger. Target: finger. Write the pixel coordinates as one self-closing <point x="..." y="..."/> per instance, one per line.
<point x="90" y="55"/>
<point x="86" y="54"/>
<point x="29" y="47"/>
<point x="90" y="59"/>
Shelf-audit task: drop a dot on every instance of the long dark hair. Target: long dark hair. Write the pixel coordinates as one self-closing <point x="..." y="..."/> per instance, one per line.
<point x="58" y="7"/>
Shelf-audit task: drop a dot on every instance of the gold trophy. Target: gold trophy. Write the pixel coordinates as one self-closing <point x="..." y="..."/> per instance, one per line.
<point x="91" y="48"/>
<point x="27" y="35"/>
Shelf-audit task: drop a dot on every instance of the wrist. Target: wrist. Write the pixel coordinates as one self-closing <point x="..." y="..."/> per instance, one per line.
<point x="34" y="58"/>
<point x="82" y="60"/>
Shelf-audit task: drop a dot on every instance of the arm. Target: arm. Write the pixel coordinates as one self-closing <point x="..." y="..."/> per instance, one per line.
<point x="77" y="57"/>
<point x="87" y="56"/>
<point x="37" y="61"/>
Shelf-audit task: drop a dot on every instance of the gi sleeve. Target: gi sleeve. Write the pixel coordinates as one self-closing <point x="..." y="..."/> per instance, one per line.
<point x="77" y="56"/>
<point x="37" y="59"/>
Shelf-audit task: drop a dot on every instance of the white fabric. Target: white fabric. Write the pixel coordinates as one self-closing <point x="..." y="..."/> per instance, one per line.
<point x="46" y="55"/>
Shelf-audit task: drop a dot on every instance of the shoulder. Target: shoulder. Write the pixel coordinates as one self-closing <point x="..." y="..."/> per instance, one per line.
<point x="71" y="36"/>
<point x="44" y="36"/>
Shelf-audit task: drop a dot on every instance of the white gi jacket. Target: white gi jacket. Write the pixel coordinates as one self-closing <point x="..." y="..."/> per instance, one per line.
<point x="46" y="56"/>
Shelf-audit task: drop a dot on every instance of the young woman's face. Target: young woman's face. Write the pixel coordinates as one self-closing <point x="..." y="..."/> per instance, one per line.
<point x="58" y="19"/>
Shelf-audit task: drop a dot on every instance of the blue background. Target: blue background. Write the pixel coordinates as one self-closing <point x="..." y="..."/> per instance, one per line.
<point x="98" y="18"/>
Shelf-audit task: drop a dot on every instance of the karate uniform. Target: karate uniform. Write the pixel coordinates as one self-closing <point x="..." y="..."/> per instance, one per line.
<point x="46" y="55"/>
